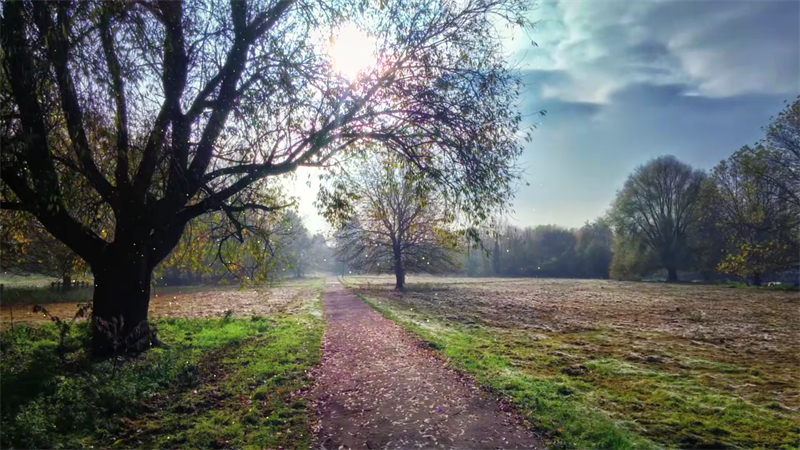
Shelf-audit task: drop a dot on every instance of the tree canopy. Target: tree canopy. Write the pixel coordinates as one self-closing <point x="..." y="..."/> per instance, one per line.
<point x="163" y="111"/>
<point x="657" y="205"/>
<point x="755" y="216"/>
<point x="256" y="249"/>
<point x="781" y="147"/>
<point x="400" y="225"/>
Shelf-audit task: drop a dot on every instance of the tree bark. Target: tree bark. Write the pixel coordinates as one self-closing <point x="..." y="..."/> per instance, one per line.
<point x="399" y="270"/>
<point x="66" y="282"/>
<point x="120" y="303"/>
<point x="400" y="279"/>
<point x="672" y="274"/>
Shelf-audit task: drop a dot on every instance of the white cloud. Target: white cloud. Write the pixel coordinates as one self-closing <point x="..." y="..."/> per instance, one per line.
<point x="625" y="81"/>
<point x="719" y="48"/>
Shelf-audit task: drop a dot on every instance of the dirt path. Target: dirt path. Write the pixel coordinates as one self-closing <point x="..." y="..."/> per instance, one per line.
<point x="378" y="389"/>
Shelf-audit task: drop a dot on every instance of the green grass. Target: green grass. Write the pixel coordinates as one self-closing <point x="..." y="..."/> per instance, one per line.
<point x="30" y="280"/>
<point x="35" y="289"/>
<point x="567" y="385"/>
<point x="219" y="383"/>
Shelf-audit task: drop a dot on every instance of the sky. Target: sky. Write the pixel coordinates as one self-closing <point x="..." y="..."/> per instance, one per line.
<point x="623" y="82"/>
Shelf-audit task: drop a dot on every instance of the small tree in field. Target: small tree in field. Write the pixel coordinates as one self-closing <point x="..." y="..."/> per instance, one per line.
<point x="657" y="206"/>
<point x="166" y="111"/>
<point x="400" y="226"/>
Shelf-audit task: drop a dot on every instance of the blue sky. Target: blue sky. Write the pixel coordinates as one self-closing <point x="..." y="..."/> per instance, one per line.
<point x="626" y="81"/>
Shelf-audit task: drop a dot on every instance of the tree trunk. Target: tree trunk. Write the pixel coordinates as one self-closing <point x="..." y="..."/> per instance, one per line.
<point x="66" y="282"/>
<point x="399" y="270"/>
<point x="120" y="303"/>
<point x="400" y="279"/>
<point x="672" y="274"/>
<point x="756" y="279"/>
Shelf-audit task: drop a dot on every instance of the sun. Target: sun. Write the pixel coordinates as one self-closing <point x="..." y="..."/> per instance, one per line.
<point x="352" y="51"/>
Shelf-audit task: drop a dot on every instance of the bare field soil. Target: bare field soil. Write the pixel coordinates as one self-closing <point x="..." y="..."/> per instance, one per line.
<point x="213" y="302"/>
<point x="651" y="352"/>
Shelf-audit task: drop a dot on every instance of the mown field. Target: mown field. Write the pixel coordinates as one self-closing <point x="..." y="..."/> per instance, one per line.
<point x="602" y="364"/>
<point x="173" y="301"/>
<point x="232" y="375"/>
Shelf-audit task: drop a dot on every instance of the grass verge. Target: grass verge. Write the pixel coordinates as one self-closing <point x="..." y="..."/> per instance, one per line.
<point x="565" y="385"/>
<point x="33" y="295"/>
<point x="233" y="383"/>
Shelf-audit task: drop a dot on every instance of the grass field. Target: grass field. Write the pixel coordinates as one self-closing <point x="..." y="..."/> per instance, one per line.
<point x="222" y="382"/>
<point x="31" y="280"/>
<point x="172" y="301"/>
<point x="601" y="364"/>
<point x="33" y="289"/>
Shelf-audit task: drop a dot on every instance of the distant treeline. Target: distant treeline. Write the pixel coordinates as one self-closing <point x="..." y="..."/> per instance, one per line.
<point x="740" y="220"/>
<point x="544" y="251"/>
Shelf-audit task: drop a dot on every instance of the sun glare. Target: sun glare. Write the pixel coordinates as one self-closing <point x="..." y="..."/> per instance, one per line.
<point x="352" y="51"/>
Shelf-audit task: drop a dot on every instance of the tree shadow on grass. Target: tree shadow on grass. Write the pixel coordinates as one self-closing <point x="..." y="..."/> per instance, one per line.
<point x="30" y="363"/>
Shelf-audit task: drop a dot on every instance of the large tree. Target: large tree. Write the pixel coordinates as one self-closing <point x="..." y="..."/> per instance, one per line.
<point x="169" y="110"/>
<point x="755" y="215"/>
<point x="777" y="158"/>
<point x="400" y="226"/>
<point x="707" y="242"/>
<point x="657" y="205"/>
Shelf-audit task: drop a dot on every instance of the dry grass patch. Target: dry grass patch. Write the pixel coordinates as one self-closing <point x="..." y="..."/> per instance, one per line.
<point x="186" y="302"/>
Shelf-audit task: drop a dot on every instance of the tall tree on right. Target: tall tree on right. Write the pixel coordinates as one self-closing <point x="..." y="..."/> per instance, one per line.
<point x="755" y="215"/>
<point x="657" y="205"/>
<point x="708" y="243"/>
<point x="781" y="150"/>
